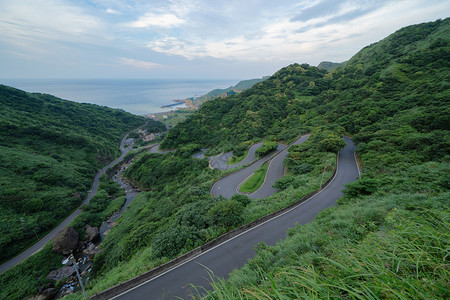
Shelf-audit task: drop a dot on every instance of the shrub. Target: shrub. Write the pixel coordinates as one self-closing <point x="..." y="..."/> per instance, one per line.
<point x="226" y="213"/>
<point x="266" y="148"/>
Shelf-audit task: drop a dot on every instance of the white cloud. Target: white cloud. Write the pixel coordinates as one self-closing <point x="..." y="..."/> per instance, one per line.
<point x="284" y="39"/>
<point x="32" y="24"/>
<point x="154" y="20"/>
<point x="146" y="65"/>
<point x="255" y="32"/>
<point x="112" y="11"/>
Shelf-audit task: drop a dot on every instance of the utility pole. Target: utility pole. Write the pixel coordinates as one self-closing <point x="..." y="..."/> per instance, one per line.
<point x="71" y="260"/>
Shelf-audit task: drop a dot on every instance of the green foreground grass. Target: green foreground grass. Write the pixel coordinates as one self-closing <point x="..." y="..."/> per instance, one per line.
<point x="237" y="159"/>
<point x="388" y="247"/>
<point x="255" y="181"/>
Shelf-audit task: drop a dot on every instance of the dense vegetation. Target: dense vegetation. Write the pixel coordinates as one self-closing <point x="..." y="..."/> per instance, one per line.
<point x="50" y="150"/>
<point x="329" y="66"/>
<point x="155" y="126"/>
<point x="266" y="148"/>
<point x="109" y="199"/>
<point x="272" y="108"/>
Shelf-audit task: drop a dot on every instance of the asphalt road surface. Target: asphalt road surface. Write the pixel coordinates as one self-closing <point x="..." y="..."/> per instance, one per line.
<point x="155" y="149"/>
<point x="221" y="161"/>
<point x="125" y="147"/>
<point x="274" y="172"/>
<point x="235" y="252"/>
<point x="228" y="186"/>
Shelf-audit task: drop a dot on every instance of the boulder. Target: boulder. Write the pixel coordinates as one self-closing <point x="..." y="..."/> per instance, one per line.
<point x="67" y="241"/>
<point x="59" y="274"/>
<point x="91" y="233"/>
<point x="48" y="294"/>
<point x="91" y="251"/>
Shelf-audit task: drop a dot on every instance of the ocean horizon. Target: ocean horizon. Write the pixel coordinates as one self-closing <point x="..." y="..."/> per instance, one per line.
<point x="137" y="96"/>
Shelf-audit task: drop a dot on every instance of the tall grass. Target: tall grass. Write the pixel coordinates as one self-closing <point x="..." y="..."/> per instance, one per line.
<point x="406" y="258"/>
<point x="255" y="181"/>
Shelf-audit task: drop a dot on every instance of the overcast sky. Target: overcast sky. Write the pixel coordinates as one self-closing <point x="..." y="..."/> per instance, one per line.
<point x="192" y="39"/>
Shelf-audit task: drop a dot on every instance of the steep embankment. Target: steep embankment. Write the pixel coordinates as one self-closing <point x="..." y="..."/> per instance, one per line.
<point x="50" y="150"/>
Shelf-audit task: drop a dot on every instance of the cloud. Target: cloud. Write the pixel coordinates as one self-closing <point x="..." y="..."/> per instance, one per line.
<point x="146" y="65"/>
<point x="183" y="35"/>
<point x="154" y="20"/>
<point x="31" y="25"/>
<point x="296" y="36"/>
<point x="112" y="11"/>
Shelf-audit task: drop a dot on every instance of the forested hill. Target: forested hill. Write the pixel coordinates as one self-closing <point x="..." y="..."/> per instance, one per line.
<point x="254" y="112"/>
<point x="329" y="66"/>
<point x="50" y="150"/>
<point x="404" y="78"/>
<point x="236" y="89"/>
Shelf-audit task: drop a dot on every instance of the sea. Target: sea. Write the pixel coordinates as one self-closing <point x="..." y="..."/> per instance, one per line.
<point x="137" y="96"/>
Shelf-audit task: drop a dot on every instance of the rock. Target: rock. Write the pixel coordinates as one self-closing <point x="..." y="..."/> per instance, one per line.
<point x="92" y="233"/>
<point x="90" y="247"/>
<point x="48" y="294"/>
<point x="59" y="274"/>
<point x="81" y="245"/>
<point x="92" y="251"/>
<point x="66" y="290"/>
<point x="49" y="285"/>
<point x="67" y="241"/>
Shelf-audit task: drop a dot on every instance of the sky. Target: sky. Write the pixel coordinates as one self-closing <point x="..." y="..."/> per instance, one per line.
<point x="199" y="39"/>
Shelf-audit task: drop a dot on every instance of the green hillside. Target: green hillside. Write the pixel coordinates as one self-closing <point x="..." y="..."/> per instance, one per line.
<point x="271" y="107"/>
<point x="50" y="150"/>
<point x="232" y="90"/>
<point x="329" y="66"/>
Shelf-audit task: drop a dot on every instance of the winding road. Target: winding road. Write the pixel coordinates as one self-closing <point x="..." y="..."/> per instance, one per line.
<point x="125" y="147"/>
<point x="235" y="252"/>
<point x="229" y="185"/>
<point x="221" y="161"/>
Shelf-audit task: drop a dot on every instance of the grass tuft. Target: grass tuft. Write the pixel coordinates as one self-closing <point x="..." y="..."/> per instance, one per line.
<point x="255" y="181"/>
